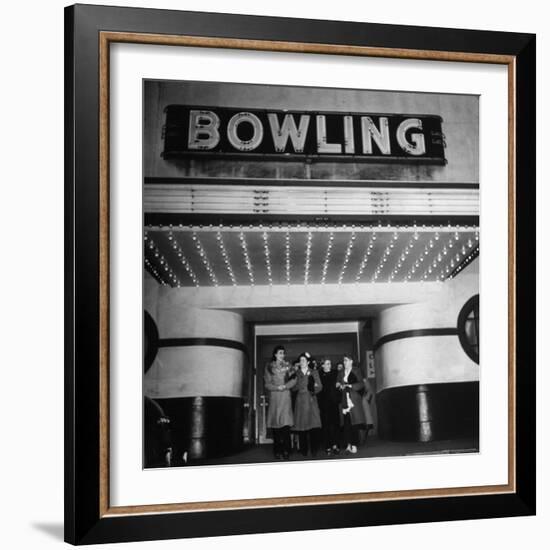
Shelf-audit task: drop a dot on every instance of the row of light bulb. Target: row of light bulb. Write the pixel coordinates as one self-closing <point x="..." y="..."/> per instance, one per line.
<point x="204" y="258"/>
<point x="327" y="257"/>
<point x="308" y="256"/>
<point x="267" y="258"/>
<point x="300" y="227"/>
<point x="346" y="257"/>
<point x="225" y="256"/>
<point x="151" y="268"/>
<point x="435" y="263"/>
<point x="181" y="256"/>
<point x="287" y="257"/>
<point x="244" y="248"/>
<point x="439" y="261"/>
<point x="384" y="258"/>
<point x="403" y="258"/>
<point x="473" y="254"/>
<point x="365" y="259"/>
<point x="168" y="272"/>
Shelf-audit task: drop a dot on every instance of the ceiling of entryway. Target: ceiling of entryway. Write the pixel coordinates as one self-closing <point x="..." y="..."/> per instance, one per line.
<point x="300" y="254"/>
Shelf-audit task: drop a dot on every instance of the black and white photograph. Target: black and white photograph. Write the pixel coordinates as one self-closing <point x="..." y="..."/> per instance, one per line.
<point x="244" y="301"/>
<point x="311" y="273"/>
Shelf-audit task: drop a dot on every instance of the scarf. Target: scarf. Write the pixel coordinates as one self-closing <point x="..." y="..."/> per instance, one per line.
<point x="347" y="405"/>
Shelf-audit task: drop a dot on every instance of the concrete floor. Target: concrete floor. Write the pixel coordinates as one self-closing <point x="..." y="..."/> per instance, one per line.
<point x="372" y="448"/>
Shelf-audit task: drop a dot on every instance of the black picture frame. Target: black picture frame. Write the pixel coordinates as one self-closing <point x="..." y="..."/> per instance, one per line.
<point x="87" y="518"/>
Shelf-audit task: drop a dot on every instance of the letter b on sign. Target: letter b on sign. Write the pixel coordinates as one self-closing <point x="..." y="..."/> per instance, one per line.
<point x="204" y="131"/>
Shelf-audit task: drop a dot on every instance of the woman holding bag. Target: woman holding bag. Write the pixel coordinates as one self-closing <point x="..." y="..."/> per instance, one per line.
<point x="350" y="383"/>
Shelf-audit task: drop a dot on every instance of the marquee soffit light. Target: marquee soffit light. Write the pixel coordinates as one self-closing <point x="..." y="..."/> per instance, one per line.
<point x="299" y="254"/>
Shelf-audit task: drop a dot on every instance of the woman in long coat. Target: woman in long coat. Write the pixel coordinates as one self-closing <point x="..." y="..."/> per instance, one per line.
<point x="350" y="383"/>
<point x="307" y="419"/>
<point x="278" y="381"/>
<point x="329" y="399"/>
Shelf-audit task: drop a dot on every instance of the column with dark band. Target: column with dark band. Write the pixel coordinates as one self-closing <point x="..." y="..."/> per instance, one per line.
<point x="197" y="377"/>
<point x="427" y="386"/>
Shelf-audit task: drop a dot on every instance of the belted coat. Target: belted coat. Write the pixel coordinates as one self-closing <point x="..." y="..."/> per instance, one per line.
<point x="306" y="408"/>
<point x="278" y="381"/>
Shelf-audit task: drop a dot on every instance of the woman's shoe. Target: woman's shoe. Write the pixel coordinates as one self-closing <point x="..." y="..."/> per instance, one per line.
<point x="353" y="449"/>
<point x="348" y="449"/>
<point x="335" y="450"/>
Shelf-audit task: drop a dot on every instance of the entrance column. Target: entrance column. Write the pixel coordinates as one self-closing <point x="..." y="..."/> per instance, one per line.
<point x="197" y="377"/>
<point x="427" y="385"/>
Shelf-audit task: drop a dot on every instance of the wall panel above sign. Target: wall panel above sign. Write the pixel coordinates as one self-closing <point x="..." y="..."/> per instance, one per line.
<point x="291" y="135"/>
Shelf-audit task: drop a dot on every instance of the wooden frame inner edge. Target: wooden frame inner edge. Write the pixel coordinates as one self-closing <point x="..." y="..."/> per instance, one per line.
<point x="104" y="270"/>
<point x="512" y="274"/>
<point x="105" y="39"/>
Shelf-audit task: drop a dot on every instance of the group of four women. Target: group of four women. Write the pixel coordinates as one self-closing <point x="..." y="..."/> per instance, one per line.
<point x="327" y="404"/>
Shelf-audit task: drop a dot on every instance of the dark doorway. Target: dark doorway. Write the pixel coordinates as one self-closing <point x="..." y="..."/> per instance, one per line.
<point x="326" y="345"/>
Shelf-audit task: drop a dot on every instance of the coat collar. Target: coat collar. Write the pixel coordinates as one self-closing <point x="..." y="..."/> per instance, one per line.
<point x="285" y="365"/>
<point x="352" y="374"/>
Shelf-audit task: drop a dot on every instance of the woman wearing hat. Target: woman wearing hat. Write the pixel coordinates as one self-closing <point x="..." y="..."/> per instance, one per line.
<point x="350" y="383"/>
<point x="307" y="419"/>
<point x="278" y="380"/>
